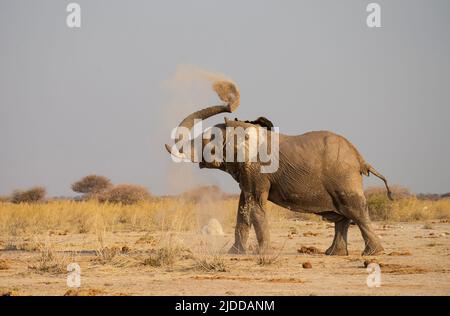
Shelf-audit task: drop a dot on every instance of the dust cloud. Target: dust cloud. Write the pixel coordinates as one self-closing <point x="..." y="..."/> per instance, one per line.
<point x="190" y="89"/>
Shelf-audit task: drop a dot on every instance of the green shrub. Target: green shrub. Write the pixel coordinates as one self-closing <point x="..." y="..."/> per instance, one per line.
<point x="125" y="194"/>
<point x="35" y="194"/>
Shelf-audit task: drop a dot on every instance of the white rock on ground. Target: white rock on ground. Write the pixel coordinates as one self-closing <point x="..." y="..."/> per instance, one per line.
<point x="212" y="228"/>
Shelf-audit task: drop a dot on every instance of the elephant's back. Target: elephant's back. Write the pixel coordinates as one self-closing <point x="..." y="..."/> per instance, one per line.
<point x="322" y="151"/>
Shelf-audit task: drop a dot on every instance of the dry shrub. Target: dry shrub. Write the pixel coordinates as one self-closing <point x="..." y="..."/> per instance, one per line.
<point x="4" y="199"/>
<point x="169" y="250"/>
<point x="164" y="256"/>
<point x="380" y="207"/>
<point x="213" y="263"/>
<point x="208" y="258"/>
<point x="33" y="195"/>
<point x="398" y="192"/>
<point x="92" y="185"/>
<point x="49" y="261"/>
<point x="104" y="254"/>
<point x="126" y="194"/>
<point x="413" y="209"/>
<point x="266" y="258"/>
<point x="405" y="207"/>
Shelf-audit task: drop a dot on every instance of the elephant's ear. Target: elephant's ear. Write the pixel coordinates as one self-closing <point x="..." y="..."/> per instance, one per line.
<point x="263" y="122"/>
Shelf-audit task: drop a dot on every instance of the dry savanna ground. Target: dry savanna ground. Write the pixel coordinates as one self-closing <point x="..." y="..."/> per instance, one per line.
<point x="157" y="248"/>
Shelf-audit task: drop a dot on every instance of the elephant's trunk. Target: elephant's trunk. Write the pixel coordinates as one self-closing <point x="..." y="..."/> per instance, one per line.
<point x="227" y="92"/>
<point x="189" y="121"/>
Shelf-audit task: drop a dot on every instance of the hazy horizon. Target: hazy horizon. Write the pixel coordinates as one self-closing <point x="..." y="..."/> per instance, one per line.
<point x="100" y="99"/>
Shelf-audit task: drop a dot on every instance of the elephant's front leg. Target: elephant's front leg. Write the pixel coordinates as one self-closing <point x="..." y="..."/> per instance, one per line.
<point x="251" y="212"/>
<point x="261" y="225"/>
<point x="242" y="229"/>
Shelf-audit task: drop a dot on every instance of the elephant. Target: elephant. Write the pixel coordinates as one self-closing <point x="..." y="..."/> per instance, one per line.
<point x="318" y="172"/>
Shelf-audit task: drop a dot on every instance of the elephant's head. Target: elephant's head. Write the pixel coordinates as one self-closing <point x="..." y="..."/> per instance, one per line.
<point x="218" y="146"/>
<point x="191" y="149"/>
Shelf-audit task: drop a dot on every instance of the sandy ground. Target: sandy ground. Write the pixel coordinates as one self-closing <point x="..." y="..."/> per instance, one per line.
<point x="416" y="262"/>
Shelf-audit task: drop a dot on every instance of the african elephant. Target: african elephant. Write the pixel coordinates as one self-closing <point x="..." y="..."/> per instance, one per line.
<point x="318" y="172"/>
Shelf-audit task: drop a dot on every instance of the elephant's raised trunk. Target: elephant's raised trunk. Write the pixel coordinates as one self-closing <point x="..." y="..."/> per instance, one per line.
<point x="227" y="92"/>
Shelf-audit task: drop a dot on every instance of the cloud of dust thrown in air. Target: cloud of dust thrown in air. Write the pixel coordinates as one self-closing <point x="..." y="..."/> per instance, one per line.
<point x="189" y="90"/>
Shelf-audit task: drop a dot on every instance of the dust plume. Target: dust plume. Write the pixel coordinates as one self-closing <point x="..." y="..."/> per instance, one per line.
<point x="188" y="90"/>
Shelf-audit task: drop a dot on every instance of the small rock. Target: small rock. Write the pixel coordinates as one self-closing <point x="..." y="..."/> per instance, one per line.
<point x="307" y="265"/>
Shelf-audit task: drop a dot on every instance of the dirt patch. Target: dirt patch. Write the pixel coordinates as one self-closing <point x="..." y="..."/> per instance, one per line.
<point x="395" y="268"/>
<point x="4" y="265"/>
<point x="309" y="250"/>
<point x="310" y="234"/>
<point x="400" y="253"/>
<point x="9" y="293"/>
<point x="244" y="278"/>
<point x="85" y="292"/>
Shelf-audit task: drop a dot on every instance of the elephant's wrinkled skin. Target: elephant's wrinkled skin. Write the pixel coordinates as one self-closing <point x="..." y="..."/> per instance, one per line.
<point x="319" y="172"/>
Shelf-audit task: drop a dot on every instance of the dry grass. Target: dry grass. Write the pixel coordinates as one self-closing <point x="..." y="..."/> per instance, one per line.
<point x="171" y="214"/>
<point x="412" y="209"/>
<point x="49" y="261"/>
<point x="209" y="259"/>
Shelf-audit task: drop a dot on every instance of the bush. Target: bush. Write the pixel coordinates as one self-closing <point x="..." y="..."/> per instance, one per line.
<point x="126" y="194"/>
<point x="378" y="203"/>
<point x="398" y="192"/>
<point x="32" y="195"/>
<point x="92" y="185"/>
<point x="380" y="207"/>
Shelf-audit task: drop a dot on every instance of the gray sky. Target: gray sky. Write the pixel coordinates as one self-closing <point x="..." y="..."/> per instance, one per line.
<point x="94" y="100"/>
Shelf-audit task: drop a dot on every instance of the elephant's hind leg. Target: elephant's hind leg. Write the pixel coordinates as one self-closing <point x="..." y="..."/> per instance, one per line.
<point x="373" y="244"/>
<point x="355" y="208"/>
<point x="341" y="224"/>
<point x="339" y="245"/>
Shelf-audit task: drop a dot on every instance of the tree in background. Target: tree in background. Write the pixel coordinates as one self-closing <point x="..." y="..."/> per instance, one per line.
<point x="126" y="194"/>
<point x="33" y="195"/>
<point x="92" y="185"/>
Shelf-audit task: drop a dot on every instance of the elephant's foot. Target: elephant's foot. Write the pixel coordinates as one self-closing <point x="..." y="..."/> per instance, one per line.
<point x="237" y="249"/>
<point x="337" y="250"/>
<point x="373" y="250"/>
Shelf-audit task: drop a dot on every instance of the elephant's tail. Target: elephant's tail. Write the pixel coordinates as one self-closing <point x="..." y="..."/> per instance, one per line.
<point x="369" y="169"/>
